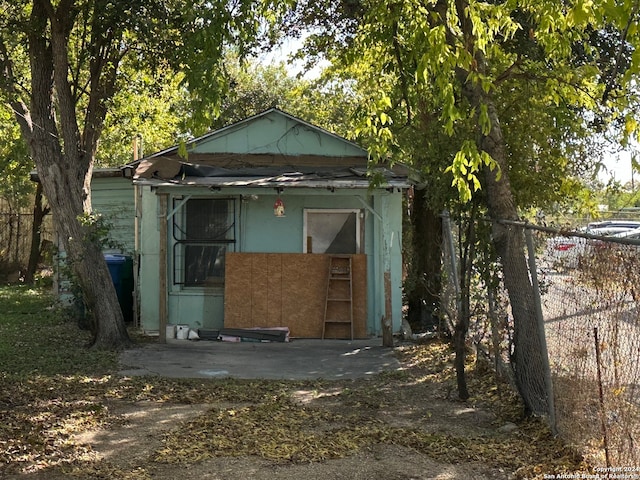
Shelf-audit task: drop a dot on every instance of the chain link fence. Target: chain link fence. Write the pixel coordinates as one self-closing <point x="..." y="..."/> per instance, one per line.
<point x="585" y="289"/>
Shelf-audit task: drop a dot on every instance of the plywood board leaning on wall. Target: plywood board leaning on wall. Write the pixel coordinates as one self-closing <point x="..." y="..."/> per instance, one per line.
<point x="289" y="289"/>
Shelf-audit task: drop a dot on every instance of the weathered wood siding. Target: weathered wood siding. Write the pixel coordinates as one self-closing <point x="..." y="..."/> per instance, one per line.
<point x="276" y="133"/>
<point x="113" y="198"/>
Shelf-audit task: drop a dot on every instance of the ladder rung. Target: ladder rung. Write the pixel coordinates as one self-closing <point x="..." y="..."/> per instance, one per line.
<point x="339" y="271"/>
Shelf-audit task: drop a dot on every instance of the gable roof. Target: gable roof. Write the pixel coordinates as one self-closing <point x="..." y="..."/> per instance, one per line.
<point x="276" y="132"/>
<point x="272" y="148"/>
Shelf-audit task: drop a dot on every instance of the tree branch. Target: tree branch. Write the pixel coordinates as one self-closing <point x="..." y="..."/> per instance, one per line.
<point x="610" y="83"/>
<point x="61" y="22"/>
<point x="507" y="74"/>
<point x="403" y="80"/>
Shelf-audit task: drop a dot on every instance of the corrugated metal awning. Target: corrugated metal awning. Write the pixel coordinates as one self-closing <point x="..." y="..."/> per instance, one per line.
<point x="195" y="175"/>
<point x="270" y="182"/>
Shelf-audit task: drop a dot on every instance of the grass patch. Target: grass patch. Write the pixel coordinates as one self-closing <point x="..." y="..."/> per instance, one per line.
<point x="37" y="338"/>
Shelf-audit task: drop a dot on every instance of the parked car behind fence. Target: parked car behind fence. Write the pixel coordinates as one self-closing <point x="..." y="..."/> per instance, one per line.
<point x="566" y="252"/>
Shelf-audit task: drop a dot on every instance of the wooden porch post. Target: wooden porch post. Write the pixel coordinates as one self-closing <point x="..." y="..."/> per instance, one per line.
<point x="383" y="268"/>
<point x="162" y="264"/>
<point x="387" y="323"/>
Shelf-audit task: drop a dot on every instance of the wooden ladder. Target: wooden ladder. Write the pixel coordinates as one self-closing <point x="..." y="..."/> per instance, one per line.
<point x="338" y="308"/>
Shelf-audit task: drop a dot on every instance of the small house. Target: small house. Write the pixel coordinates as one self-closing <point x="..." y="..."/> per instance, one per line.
<point x="269" y="222"/>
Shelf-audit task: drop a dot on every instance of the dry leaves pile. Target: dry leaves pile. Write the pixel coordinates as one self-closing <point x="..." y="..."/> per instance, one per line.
<point x="280" y="422"/>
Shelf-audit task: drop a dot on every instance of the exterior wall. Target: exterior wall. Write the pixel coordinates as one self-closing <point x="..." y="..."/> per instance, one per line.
<point x="264" y="134"/>
<point x="149" y="259"/>
<point x="113" y="198"/>
<point x="259" y="231"/>
<point x="266" y="233"/>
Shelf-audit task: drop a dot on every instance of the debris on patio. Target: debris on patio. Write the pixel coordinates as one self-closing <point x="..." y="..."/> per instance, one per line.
<point x="272" y="334"/>
<point x="256" y="334"/>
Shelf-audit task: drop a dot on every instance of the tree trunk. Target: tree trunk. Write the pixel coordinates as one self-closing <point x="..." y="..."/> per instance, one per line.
<point x="460" y="347"/>
<point x="508" y="241"/>
<point x="39" y="212"/>
<point x="64" y="159"/>
<point x="83" y="252"/>
<point x="510" y="247"/>
<point x="62" y="187"/>
<point x="423" y="296"/>
<point x="509" y="244"/>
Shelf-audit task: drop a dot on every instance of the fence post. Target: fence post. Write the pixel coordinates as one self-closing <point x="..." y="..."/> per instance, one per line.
<point x="16" y="258"/>
<point x="537" y="300"/>
<point x="453" y="264"/>
<point x="603" y="413"/>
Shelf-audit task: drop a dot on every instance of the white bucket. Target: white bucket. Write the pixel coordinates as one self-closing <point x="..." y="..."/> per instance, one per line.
<point x="182" y="332"/>
<point x="171" y="331"/>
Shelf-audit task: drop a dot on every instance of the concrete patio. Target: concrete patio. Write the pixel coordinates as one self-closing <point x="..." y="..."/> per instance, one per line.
<point x="295" y="360"/>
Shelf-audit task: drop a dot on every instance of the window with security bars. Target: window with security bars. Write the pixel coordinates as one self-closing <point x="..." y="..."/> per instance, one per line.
<point x="203" y="232"/>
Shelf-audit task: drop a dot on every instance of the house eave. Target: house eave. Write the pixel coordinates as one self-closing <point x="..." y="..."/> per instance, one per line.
<point x="244" y="182"/>
<point x="106" y="172"/>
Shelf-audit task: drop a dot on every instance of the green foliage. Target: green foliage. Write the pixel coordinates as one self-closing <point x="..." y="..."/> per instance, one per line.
<point x="617" y="197"/>
<point x="147" y="108"/>
<point x="375" y="126"/>
<point x="147" y="63"/>
<point x="465" y="167"/>
<point x="559" y="75"/>
<point x="15" y="162"/>
<point x="204" y="31"/>
<point x="96" y="230"/>
<point x="255" y="88"/>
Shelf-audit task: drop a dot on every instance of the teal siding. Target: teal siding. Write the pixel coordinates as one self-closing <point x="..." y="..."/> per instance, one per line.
<point x="197" y="308"/>
<point x="264" y="135"/>
<point x="264" y="232"/>
<point x="149" y="258"/>
<point x="258" y="230"/>
<point x="113" y="198"/>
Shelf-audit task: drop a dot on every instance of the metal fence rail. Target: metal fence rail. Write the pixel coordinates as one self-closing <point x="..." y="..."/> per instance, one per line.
<point x="592" y="323"/>
<point x="588" y="301"/>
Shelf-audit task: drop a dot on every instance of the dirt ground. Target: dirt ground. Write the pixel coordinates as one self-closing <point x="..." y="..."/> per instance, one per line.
<point x="128" y="444"/>
<point x="138" y="428"/>
<point x="131" y="444"/>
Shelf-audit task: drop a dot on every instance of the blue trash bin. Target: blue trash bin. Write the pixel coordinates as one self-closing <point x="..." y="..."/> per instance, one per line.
<point x="121" y="270"/>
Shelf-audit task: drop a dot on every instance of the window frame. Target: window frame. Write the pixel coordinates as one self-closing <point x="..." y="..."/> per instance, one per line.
<point x="180" y="243"/>
<point x="359" y="225"/>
